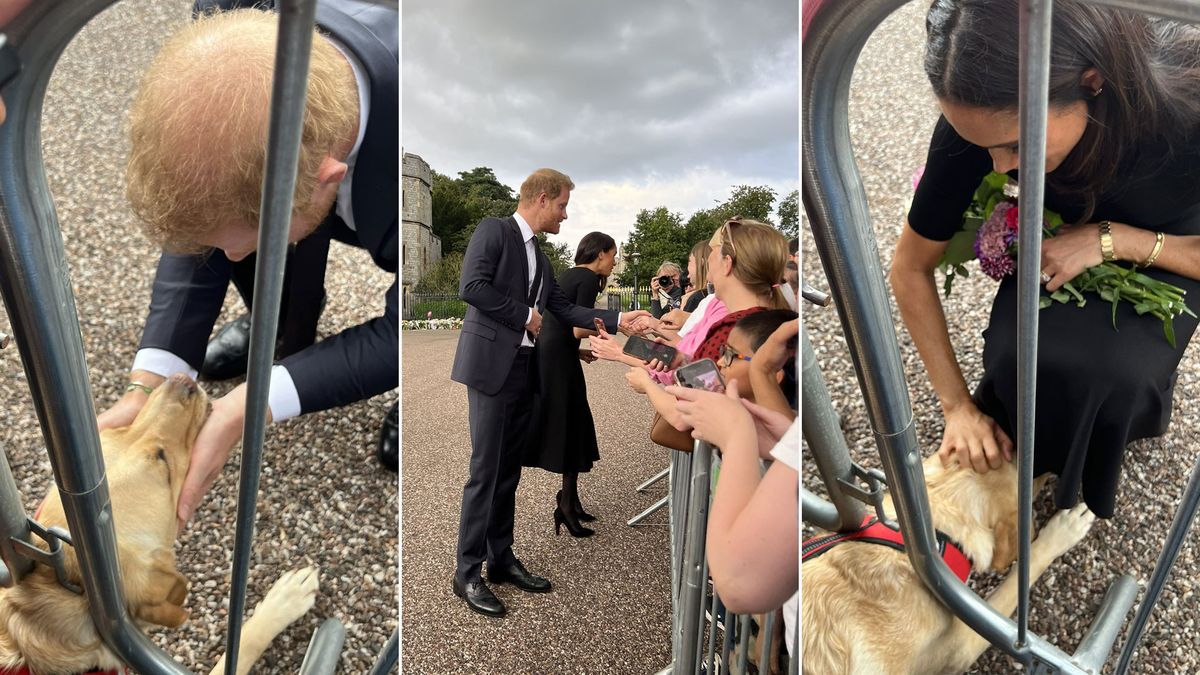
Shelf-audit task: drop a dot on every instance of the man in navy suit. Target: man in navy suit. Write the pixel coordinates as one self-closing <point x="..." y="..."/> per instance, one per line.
<point x="198" y="130"/>
<point x="508" y="284"/>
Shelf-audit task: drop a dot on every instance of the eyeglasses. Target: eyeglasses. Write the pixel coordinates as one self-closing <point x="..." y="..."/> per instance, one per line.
<point x="728" y="355"/>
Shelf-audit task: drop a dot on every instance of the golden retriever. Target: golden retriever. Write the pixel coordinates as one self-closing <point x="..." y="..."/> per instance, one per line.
<point x="47" y="629"/>
<point x="864" y="610"/>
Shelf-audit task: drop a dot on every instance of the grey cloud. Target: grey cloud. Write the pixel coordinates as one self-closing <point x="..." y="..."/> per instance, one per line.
<point x="612" y="90"/>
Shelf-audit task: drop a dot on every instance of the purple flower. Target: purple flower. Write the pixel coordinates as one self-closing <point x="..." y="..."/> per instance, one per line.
<point x="994" y="243"/>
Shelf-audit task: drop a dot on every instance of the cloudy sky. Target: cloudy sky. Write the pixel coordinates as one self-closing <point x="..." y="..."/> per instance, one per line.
<point x="643" y="104"/>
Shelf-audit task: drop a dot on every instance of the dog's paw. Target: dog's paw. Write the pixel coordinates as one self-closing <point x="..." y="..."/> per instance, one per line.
<point x="1067" y="528"/>
<point x="289" y="598"/>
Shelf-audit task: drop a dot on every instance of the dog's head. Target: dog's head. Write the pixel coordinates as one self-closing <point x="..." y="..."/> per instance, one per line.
<point x="978" y="510"/>
<point x="145" y="464"/>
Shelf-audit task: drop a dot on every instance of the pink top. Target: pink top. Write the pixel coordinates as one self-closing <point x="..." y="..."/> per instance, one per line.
<point x="688" y="344"/>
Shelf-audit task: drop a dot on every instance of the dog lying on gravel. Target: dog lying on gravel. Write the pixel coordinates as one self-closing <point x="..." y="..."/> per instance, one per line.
<point x="46" y="628"/>
<point x="865" y="611"/>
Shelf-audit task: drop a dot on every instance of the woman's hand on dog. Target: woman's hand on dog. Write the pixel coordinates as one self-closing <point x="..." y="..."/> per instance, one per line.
<point x="221" y="431"/>
<point x="975" y="440"/>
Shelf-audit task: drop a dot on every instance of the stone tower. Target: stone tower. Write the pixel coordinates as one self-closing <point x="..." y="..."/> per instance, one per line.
<point x="421" y="249"/>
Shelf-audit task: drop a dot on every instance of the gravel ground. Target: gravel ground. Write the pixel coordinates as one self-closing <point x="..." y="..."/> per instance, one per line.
<point x="891" y="117"/>
<point x="324" y="499"/>
<point x="609" y="612"/>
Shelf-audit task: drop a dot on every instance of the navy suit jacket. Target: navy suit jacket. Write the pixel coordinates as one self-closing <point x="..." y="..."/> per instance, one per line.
<point x="494" y="283"/>
<point x="362" y="360"/>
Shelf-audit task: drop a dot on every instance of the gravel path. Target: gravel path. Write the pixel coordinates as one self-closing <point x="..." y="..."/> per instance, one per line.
<point x="891" y="117"/>
<point x="324" y="499"/>
<point x="609" y="611"/>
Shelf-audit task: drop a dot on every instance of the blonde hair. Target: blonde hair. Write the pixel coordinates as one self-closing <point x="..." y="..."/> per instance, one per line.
<point x="668" y="268"/>
<point x="198" y="126"/>
<point x="700" y="254"/>
<point x="759" y="253"/>
<point x="545" y="180"/>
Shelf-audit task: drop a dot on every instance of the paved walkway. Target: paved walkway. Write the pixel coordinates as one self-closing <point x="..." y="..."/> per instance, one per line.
<point x="609" y="611"/>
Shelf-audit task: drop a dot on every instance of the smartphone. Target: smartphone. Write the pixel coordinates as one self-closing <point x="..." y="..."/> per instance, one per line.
<point x="702" y="374"/>
<point x="10" y="65"/>
<point x="599" y="325"/>
<point x="641" y="348"/>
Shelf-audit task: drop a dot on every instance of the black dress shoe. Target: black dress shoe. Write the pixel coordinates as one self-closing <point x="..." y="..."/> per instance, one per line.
<point x="389" y="440"/>
<point x="518" y="576"/>
<point x="228" y="353"/>
<point x="479" y="597"/>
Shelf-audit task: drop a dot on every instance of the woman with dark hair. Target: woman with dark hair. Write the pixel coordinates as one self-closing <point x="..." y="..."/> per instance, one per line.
<point x="1123" y="167"/>
<point x="563" y="436"/>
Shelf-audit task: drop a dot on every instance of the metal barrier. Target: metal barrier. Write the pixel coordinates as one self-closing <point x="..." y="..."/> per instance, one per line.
<point x="417" y="306"/>
<point x="36" y="289"/>
<point x="836" y="205"/>
<point x="697" y="615"/>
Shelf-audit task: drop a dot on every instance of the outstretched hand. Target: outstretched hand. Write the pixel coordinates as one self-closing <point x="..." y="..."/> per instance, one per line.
<point x="974" y="439"/>
<point x="629" y="320"/>
<point x="221" y="431"/>
<point x="714" y="418"/>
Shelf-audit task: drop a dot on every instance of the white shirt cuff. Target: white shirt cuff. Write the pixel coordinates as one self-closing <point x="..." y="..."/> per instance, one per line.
<point x="161" y="362"/>
<point x="283" y="399"/>
<point x="529" y="317"/>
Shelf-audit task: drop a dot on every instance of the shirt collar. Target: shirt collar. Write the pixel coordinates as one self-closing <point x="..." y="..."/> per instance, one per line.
<point x="526" y="230"/>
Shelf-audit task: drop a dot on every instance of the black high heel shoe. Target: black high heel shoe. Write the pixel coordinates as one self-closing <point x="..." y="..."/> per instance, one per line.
<point x="583" y="516"/>
<point x="573" y="527"/>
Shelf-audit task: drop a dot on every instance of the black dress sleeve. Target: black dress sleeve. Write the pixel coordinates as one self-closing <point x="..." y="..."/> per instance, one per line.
<point x="953" y="170"/>
<point x="587" y="289"/>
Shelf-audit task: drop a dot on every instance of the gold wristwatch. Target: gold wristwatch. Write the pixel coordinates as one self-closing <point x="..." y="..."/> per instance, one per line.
<point x="1106" y="242"/>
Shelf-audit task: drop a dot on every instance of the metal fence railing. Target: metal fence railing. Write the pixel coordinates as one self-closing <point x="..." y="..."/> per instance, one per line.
<point x="705" y="638"/>
<point x="418" y="306"/>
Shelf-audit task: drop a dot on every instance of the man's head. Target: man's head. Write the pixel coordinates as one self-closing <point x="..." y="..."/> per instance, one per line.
<point x="198" y="134"/>
<point x="544" y="197"/>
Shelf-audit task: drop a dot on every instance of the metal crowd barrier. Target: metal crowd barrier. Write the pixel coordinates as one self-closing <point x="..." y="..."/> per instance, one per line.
<point x="836" y="205"/>
<point x="35" y="285"/>
<point x="698" y="619"/>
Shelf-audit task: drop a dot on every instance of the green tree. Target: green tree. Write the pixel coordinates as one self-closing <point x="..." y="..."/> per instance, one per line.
<point x="560" y="254"/>
<point x="753" y="202"/>
<point x="657" y="235"/>
<point x="789" y="215"/>
<point x="442" y="277"/>
<point x="450" y="211"/>
<point x="460" y="203"/>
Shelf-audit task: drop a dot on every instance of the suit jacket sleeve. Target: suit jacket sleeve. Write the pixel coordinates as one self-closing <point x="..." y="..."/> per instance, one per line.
<point x="476" y="286"/>
<point x="185" y="302"/>
<point x="357" y="363"/>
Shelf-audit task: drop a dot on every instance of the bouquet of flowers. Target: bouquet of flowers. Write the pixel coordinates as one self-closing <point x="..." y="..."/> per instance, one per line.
<point x="989" y="235"/>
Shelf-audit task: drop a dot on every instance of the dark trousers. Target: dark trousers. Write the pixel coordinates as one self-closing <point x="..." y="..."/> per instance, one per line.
<point x="499" y="427"/>
<point x="303" y="290"/>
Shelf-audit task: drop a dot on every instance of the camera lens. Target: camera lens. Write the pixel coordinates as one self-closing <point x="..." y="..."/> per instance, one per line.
<point x="664" y="280"/>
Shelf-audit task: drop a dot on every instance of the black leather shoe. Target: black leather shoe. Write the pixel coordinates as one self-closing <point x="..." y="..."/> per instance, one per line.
<point x="228" y="352"/>
<point x="479" y="597"/>
<point x="518" y="576"/>
<point x="389" y="440"/>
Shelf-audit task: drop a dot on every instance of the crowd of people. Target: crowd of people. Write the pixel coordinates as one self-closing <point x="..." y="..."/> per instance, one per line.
<point x="732" y="321"/>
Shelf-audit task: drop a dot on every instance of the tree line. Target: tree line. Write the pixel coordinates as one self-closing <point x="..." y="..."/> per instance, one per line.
<point x="658" y="234"/>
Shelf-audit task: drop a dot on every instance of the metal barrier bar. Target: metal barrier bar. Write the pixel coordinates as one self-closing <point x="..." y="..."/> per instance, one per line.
<point x="389" y="656"/>
<point x="1034" y="63"/>
<point x="1096" y="645"/>
<point x="14" y="525"/>
<point x="1184" y="516"/>
<point x="692" y="584"/>
<point x="823" y="433"/>
<point x="35" y="283"/>
<point x="836" y="205"/>
<point x="324" y="649"/>
<point x="653" y="479"/>
<point x="288" y="95"/>
<point x="636" y="520"/>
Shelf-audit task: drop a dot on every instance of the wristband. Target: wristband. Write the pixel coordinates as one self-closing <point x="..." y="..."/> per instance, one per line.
<point x="1158" y="246"/>
<point x="138" y="385"/>
<point x="1106" y="241"/>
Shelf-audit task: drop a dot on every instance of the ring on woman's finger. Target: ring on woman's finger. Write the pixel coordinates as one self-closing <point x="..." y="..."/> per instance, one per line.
<point x="1045" y="277"/>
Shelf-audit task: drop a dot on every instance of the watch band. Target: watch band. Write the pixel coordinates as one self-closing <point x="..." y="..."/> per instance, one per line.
<point x="1106" y="241"/>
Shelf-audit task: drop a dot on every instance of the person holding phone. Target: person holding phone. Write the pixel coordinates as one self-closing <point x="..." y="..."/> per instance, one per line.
<point x="563" y="434"/>
<point x="665" y="289"/>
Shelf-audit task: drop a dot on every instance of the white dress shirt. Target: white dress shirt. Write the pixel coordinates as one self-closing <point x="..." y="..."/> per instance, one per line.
<point x="530" y="240"/>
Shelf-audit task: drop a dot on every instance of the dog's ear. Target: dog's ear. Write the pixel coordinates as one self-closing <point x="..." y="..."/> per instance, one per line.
<point x="1004" y="552"/>
<point x="160" y="591"/>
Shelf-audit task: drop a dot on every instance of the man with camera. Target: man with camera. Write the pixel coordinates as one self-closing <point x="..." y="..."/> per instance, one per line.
<point x="666" y="289"/>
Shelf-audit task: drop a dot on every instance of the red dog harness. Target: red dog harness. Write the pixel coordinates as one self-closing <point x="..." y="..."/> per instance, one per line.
<point x="874" y="532"/>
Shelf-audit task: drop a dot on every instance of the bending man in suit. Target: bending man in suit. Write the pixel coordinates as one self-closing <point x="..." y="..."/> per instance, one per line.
<point x="198" y="140"/>
<point x="508" y="284"/>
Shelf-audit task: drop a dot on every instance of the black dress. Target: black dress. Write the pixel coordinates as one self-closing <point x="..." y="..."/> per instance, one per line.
<point x="563" y="436"/>
<point x="1098" y="388"/>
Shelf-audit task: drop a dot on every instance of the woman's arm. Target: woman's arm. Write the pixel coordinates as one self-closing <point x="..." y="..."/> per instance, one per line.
<point x="1075" y="249"/>
<point x="976" y="438"/>
<point x="664" y="403"/>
